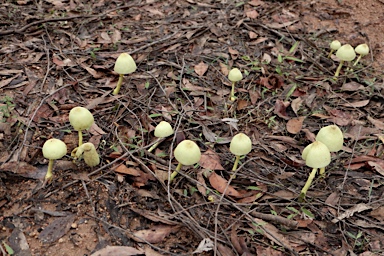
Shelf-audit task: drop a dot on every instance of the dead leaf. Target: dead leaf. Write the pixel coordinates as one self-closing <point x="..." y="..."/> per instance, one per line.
<point x="280" y="109"/>
<point x="276" y="25"/>
<point x="234" y="53"/>
<point x="116" y="36"/>
<point x="224" y="69"/>
<point x="210" y="160"/>
<point x="58" y="228"/>
<point x="127" y="170"/>
<point x="348" y="213"/>
<point x="271" y="232"/>
<point x="296" y="104"/>
<point x="357" y="104"/>
<point x="295" y="124"/>
<point x="118" y="250"/>
<point x="252" y="14"/>
<point x="201" y="68"/>
<point x="352" y="87"/>
<point x="154" y="235"/>
<point x="221" y="185"/>
<point x="242" y="104"/>
<point x="377" y="123"/>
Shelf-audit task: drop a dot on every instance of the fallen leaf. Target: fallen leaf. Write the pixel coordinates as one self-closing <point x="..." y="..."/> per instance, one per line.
<point x="357" y="104"/>
<point x="242" y="104"/>
<point x="296" y="104"/>
<point x="221" y="185"/>
<point x="210" y="160"/>
<point x="271" y="232"/>
<point x="201" y="68"/>
<point x="234" y="53"/>
<point x="154" y="235"/>
<point x="205" y="245"/>
<point x="118" y="250"/>
<point x="348" y="213"/>
<point x="58" y="228"/>
<point x="127" y="170"/>
<point x="295" y="124"/>
<point x="252" y="14"/>
<point x="280" y="109"/>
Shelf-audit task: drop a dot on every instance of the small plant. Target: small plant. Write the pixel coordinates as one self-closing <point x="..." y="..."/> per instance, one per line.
<point x="344" y="53"/>
<point x="186" y="153"/>
<point x="240" y="145"/>
<point x="316" y="155"/>
<point x="124" y="65"/>
<point x="90" y="155"/>
<point x="334" y="45"/>
<point x="234" y="76"/>
<point x="53" y="149"/>
<point x="162" y="130"/>
<point x="80" y="119"/>
<point x="362" y="50"/>
<point x="6" y="108"/>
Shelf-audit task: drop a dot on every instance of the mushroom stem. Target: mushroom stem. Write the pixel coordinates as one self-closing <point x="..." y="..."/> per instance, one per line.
<point x="49" y="174"/>
<point x="154" y="146"/>
<point x="173" y="175"/>
<point x="322" y="172"/>
<point x="308" y="183"/>
<point x="236" y="163"/>
<point x="358" y="59"/>
<point x="80" y="138"/>
<point x="232" y="96"/>
<point x="119" y="82"/>
<point x="330" y="53"/>
<point x="339" y="68"/>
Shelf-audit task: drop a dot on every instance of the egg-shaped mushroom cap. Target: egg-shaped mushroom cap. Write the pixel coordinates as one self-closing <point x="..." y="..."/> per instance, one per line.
<point x="235" y="75"/>
<point x="316" y="155"/>
<point x="80" y="118"/>
<point x="125" y="64"/>
<point x="163" y="129"/>
<point x="335" y="45"/>
<point x="54" y="149"/>
<point x="187" y="152"/>
<point x="362" y="49"/>
<point x="332" y="137"/>
<point x="240" y="144"/>
<point x="346" y="53"/>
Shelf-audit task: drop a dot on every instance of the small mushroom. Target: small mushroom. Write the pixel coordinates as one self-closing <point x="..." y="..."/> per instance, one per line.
<point x="234" y="76"/>
<point x="80" y="119"/>
<point x="53" y="149"/>
<point x="316" y="155"/>
<point x="332" y="137"/>
<point x="334" y="45"/>
<point x="90" y="155"/>
<point x="124" y="65"/>
<point x="240" y="145"/>
<point x="362" y="50"/>
<point x="344" y="53"/>
<point x="186" y="153"/>
<point x="162" y="130"/>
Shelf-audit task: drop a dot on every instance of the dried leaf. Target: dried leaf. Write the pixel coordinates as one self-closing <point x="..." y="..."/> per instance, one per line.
<point x="295" y="124"/>
<point x="357" y="104"/>
<point x="201" y="68"/>
<point x="348" y="213"/>
<point x="210" y="160"/>
<point x="280" y="109"/>
<point x="127" y="170"/>
<point x="155" y="235"/>
<point x="252" y="14"/>
<point x="118" y="250"/>
<point x="234" y="53"/>
<point x="56" y="229"/>
<point x="221" y="185"/>
<point x="271" y="232"/>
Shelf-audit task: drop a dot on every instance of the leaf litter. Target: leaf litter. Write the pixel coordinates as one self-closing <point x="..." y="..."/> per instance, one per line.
<point x="55" y="59"/>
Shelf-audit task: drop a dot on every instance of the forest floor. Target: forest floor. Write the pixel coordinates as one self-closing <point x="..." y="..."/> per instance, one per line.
<point x="59" y="54"/>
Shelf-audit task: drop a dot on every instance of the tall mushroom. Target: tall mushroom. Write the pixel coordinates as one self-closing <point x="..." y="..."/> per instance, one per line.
<point x="362" y="50"/>
<point x="124" y="65"/>
<point x="162" y="130"/>
<point x="80" y="119"/>
<point x="240" y="145"/>
<point x="234" y="76"/>
<point x="316" y="155"/>
<point x="334" y="45"/>
<point x="344" y="53"/>
<point x="186" y="153"/>
<point x="53" y="149"/>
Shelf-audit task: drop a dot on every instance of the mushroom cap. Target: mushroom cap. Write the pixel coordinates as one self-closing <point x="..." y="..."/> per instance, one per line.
<point x="235" y="75"/>
<point x="316" y="155"/>
<point x="332" y="137"/>
<point x="346" y="53"/>
<point x="362" y="49"/>
<point x="90" y="155"/>
<point x="80" y="118"/>
<point x="335" y="45"/>
<point x="163" y="129"/>
<point x="240" y="145"/>
<point x="187" y="153"/>
<point x="54" y="149"/>
<point x="125" y="64"/>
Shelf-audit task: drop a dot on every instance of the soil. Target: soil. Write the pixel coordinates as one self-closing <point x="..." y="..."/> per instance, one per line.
<point x="57" y="54"/>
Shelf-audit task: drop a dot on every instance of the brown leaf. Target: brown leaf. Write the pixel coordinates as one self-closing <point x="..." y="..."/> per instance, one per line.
<point x="272" y="233"/>
<point x="224" y="69"/>
<point x="296" y="104"/>
<point x="210" y="160"/>
<point x="221" y="185"/>
<point x="295" y="124"/>
<point x="127" y="170"/>
<point x="201" y="68"/>
<point x="118" y="250"/>
<point x="234" y="53"/>
<point x="58" y="228"/>
<point x="252" y="14"/>
<point x="377" y="123"/>
<point x="154" y="235"/>
<point x="357" y="104"/>
<point x="352" y="86"/>
<point x="242" y="104"/>
<point x="280" y="109"/>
